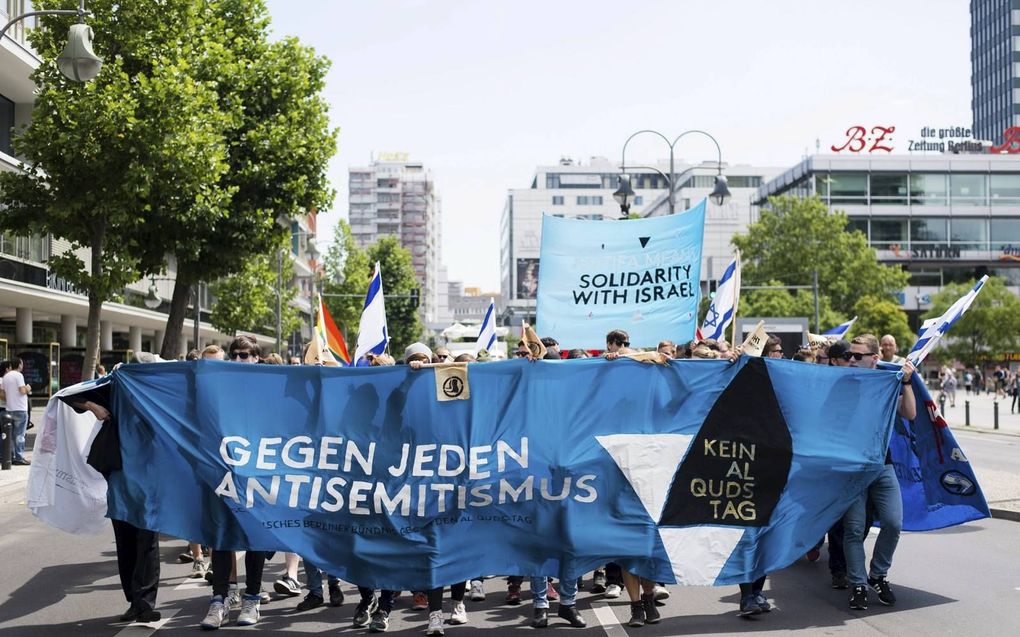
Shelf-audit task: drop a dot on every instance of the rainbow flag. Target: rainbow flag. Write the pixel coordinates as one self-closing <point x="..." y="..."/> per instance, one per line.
<point x="331" y="340"/>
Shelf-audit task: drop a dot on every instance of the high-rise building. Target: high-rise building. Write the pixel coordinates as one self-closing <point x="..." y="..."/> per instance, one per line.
<point x="995" y="67"/>
<point x="393" y="196"/>
<point x="585" y="191"/>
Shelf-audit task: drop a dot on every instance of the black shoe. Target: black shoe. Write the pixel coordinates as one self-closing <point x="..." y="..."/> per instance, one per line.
<point x="885" y="594"/>
<point x="859" y="598"/>
<point x="651" y="612"/>
<point x="598" y="582"/>
<point x="637" y="615"/>
<point x="580" y="583"/>
<point x="148" y="616"/>
<point x="310" y="601"/>
<point x="130" y="615"/>
<point x="541" y="619"/>
<point x="570" y="614"/>
<point x="839" y="581"/>
<point x="336" y="596"/>
<point x="21" y="463"/>
<point x="749" y="606"/>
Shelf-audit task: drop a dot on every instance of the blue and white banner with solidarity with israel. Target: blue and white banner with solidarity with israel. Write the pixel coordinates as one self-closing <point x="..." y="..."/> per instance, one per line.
<point x="699" y="472"/>
<point x="640" y="275"/>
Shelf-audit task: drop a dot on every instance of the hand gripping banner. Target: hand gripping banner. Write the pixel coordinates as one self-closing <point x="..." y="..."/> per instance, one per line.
<point x="699" y="472"/>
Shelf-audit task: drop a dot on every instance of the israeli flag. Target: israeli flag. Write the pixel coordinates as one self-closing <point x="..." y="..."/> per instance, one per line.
<point x="487" y="333"/>
<point x="932" y="330"/>
<point x="724" y="305"/>
<point x="372" y="335"/>
<point x="840" y="330"/>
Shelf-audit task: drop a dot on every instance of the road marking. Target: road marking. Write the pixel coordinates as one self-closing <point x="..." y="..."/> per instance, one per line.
<point x="610" y="622"/>
<point x="144" y="630"/>
<point x="192" y="584"/>
<point x="983" y="437"/>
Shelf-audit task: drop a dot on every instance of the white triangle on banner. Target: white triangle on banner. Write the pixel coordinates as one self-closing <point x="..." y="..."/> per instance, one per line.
<point x="649" y="462"/>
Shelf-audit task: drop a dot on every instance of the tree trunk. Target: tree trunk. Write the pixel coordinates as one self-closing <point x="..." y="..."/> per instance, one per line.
<point x="175" y="321"/>
<point x="88" y="371"/>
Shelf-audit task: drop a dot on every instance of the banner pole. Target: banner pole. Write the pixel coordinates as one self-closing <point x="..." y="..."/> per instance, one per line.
<point x="736" y="301"/>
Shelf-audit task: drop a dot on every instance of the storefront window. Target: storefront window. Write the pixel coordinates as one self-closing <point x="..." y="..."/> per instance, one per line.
<point x="968" y="189"/>
<point x="888" y="188"/>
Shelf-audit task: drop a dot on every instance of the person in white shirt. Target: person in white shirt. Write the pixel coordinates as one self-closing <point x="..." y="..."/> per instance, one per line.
<point x="16" y="395"/>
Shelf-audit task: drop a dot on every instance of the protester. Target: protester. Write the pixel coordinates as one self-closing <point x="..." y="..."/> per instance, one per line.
<point x="466" y="357"/>
<point x="882" y="495"/>
<point x="16" y="392"/>
<point x="552" y="348"/>
<point x="773" y="347"/>
<point x="888" y="348"/>
<point x="805" y="355"/>
<point x="577" y="353"/>
<point x="947" y="380"/>
<point x="442" y="355"/>
<point x="667" y="348"/>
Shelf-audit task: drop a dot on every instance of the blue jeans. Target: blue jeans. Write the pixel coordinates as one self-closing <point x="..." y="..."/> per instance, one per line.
<point x="884" y="495"/>
<point x="18" y="433"/>
<point x="313" y="579"/>
<point x="568" y="592"/>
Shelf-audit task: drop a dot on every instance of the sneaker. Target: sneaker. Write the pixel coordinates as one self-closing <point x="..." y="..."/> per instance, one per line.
<point x="208" y="574"/>
<point x="550" y="592"/>
<point x="513" y="594"/>
<point x="885" y="594"/>
<point x="839" y="581"/>
<point x="540" y="618"/>
<point x="459" y="614"/>
<point x="419" y="601"/>
<point x="310" y="601"/>
<point x="660" y="592"/>
<point x="130" y="615"/>
<point x="185" y="557"/>
<point x="380" y="622"/>
<point x="363" y="613"/>
<point x="813" y="555"/>
<point x="570" y="614"/>
<point x="336" y="596"/>
<point x="287" y="586"/>
<point x="264" y="597"/>
<point x="216" y="616"/>
<point x="249" y="611"/>
<point x="749" y="606"/>
<point x="233" y="600"/>
<point x="763" y="602"/>
<point x="859" y="598"/>
<point x="580" y="583"/>
<point x="477" y="593"/>
<point x="598" y="582"/>
<point x="637" y="615"/>
<point x="651" y="612"/>
<point x="435" y="626"/>
<point x="197" y="570"/>
<point x="613" y="591"/>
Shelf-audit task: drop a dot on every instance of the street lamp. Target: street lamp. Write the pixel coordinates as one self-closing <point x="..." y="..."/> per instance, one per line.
<point x="152" y="300"/>
<point x="77" y="61"/>
<point x="624" y="195"/>
<point x="720" y="193"/>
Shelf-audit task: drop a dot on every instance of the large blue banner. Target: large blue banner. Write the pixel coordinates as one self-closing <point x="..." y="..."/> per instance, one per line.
<point x="699" y="472"/>
<point x="938" y="485"/>
<point x="640" y="275"/>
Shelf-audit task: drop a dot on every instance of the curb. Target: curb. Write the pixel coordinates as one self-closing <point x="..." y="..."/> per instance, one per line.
<point x="1003" y="514"/>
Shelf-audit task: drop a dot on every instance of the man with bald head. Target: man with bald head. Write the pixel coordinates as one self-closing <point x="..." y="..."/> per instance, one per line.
<point x="888" y="348"/>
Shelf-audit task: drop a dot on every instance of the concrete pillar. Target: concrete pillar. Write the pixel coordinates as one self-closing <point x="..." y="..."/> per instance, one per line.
<point x="23" y="326"/>
<point x="135" y="338"/>
<point x="68" y="330"/>
<point x="105" y="335"/>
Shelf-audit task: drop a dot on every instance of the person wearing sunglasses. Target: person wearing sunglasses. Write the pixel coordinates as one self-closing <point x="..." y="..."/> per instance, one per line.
<point x="617" y="344"/>
<point x="773" y="347"/>
<point x="882" y="496"/>
<point x="243" y="349"/>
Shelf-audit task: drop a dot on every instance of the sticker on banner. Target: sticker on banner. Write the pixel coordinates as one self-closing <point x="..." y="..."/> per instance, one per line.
<point x="452" y="383"/>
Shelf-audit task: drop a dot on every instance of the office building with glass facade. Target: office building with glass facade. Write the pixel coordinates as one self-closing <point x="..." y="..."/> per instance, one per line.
<point x="945" y="218"/>
<point x="995" y="67"/>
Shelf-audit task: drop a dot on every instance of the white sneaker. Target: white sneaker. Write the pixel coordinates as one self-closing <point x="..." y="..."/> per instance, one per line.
<point x="613" y="591"/>
<point x="233" y="601"/>
<point x="249" y="611"/>
<point x="477" y="593"/>
<point x="459" y="614"/>
<point x="435" y="623"/>
<point x="216" y="616"/>
<point x="660" y="592"/>
<point x="197" y="570"/>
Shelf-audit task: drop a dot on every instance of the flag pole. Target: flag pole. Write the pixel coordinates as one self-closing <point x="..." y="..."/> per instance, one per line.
<point x="736" y="299"/>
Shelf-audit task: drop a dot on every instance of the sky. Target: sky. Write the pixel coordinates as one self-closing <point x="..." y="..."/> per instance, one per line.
<point x="484" y="92"/>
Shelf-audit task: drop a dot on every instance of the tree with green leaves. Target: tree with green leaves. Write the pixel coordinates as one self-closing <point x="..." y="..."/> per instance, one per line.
<point x="348" y="273"/>
<point x="399" y="282"/>
<point x="279" y="143"/>
<point x="881" y="316"/>
<point x="782" y="302"/>
<point x="246" y="301"/>
<point x="796" y="236"/>
<point x="990" y="327"/>
<point x="106" y="160"/>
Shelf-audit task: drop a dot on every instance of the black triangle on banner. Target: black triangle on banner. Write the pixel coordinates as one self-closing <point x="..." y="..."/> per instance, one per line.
<point x="644" y="241"/>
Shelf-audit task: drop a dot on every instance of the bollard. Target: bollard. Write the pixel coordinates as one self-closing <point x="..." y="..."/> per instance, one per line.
<point x="966" y="413"/>
<point x="995" y="412"/>
<point x="7" y="448"/>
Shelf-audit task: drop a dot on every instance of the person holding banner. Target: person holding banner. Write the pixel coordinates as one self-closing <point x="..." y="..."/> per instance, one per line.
<point x="883" y="495"/>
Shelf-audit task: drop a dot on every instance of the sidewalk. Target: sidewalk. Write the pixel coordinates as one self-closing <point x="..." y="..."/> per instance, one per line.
<point x="982" y="413"/>
<point x="14" y="482"/>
